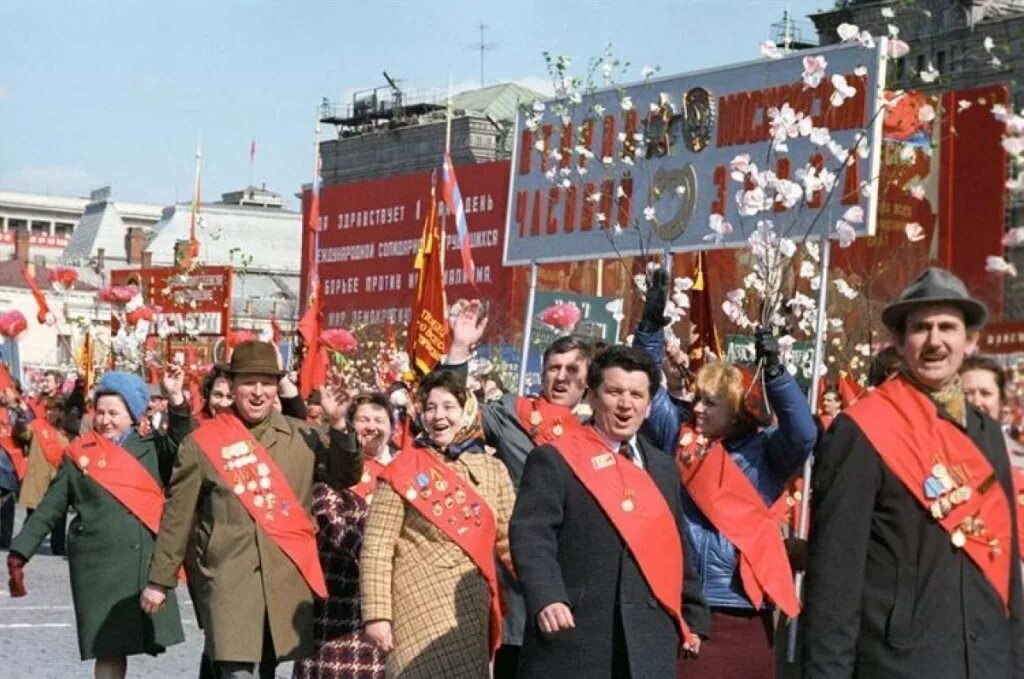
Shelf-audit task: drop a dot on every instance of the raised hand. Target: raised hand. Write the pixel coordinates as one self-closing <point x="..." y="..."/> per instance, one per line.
<point x="173" y="383"/>
<point x="335" y="398"/>
<point x="467" y="326"/>
<point x="653" y="318"/>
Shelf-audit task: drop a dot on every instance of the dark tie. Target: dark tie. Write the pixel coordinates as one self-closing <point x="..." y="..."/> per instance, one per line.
<point x="626" y="451"/>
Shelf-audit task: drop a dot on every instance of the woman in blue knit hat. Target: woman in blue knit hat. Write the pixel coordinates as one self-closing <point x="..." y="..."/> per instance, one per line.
<point x="114" y="478"/>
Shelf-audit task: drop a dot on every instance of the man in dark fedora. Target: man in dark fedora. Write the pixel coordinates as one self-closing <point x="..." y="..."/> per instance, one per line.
<point x="237" y="516"/>
<point x="913" y="566"/>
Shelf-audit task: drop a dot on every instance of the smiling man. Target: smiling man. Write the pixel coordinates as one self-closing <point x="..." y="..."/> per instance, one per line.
<point x="237" y="516"/>
<point x="597" y="540"/>
<point x="913" y="562"/>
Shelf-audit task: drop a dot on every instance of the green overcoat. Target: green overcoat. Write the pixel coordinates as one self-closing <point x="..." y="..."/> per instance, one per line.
<point x="109" y="553"/>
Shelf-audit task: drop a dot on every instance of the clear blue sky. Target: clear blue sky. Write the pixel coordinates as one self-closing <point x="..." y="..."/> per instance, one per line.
<point x="112" y="92"/>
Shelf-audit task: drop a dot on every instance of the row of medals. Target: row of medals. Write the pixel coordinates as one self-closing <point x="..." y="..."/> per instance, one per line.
<point x="536" y="418"/>
<point x="241" y="464"/>
<point x="445" y="499"/>
<point x="702" y="448"/>
<point x="947" y="493"/>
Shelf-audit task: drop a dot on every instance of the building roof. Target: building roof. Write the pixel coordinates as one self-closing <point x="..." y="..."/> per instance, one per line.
<point x="101" y="226"/>
<point x="10" y="277"/>
<point x="254" y="238"/>
<point x="497" y="101"/>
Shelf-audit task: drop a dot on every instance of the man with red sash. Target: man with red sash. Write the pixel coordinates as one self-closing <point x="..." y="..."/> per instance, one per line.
<point x="913" y="566"/>
<point x="597" y="540"/>
<point x="12" y="456"/>
<point x="514" y="425"/>
<point x="237" y="515"/>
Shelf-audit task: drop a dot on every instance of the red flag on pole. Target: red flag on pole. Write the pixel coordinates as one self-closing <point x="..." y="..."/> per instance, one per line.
<point x="313" y="373"/>
<point x="252" y="150"/>
<point x="705" y="334"/>
<point x="428" y="330"/>
<point x="42" y="306"/>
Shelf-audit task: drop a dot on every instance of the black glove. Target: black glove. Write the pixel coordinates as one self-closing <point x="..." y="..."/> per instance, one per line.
<point x="796" y="550"/>
<point x="767" y="348"/>
<point x="653" y="318"/>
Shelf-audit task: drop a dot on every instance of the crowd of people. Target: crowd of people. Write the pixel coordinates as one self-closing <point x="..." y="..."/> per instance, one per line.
<point x="632" y="519"/>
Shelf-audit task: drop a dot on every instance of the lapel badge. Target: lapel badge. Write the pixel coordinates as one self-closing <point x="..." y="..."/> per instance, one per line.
<point x="603" y="461"/>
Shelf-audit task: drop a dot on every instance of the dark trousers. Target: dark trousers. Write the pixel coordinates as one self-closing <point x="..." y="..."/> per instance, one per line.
<point x="6" y="519"/>
<point x="506" y="662"/>
<point x="58" y="538"/>
<point x="740" y="647"/>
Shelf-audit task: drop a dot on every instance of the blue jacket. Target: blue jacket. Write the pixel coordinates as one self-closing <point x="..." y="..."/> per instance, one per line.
<point x="769" y="458"/>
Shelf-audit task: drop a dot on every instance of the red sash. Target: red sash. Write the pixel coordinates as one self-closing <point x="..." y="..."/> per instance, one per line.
<point x="49" y="440"/>
<point x="38" y="408"/>
<point x="544" y="421"/>
<point x="121" y="474"/>
<point x="452" y="506"/>
<point x="945" y="472"/>
<point x="725" y="495"/>
<point x="637" y="510"/>
<point x="371" y="471"/>
<point x="12" y="447"/>
<point x="1018" y="492"/>
<point x="246" y="467"/>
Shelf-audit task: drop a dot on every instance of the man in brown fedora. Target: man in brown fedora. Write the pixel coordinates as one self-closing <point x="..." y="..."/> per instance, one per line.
<point x="237" y="517"/>
<point x="913" y="566"/>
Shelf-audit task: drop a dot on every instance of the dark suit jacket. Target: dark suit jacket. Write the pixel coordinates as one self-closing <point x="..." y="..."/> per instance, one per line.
<point x="887" y="595"/>
<point x="565" y="550"/>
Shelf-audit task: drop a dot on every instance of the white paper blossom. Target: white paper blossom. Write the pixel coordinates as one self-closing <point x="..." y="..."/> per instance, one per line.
<point x="888" y="13"/>
<point x="998" y="265"/>
<point x="1014" y="237"/>
<point x="770" y="50"/>
<point x="845" y="289"/>
<point x="847" y="31"/>
<point x="719" y="229"/>
<point x="846" y="233"/>
<point x="814" y="70"/>
<point x="914" y="231"/>
<point x="930" y="74"/>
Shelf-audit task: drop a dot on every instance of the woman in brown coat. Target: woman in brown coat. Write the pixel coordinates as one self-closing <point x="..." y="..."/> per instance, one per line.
<point x="426" y="603"/>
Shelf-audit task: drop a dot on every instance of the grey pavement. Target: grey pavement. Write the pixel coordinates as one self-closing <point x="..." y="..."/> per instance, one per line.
<point x="37" y="632"/>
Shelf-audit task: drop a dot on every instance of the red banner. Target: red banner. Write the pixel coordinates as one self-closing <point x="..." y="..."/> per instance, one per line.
<point x="371" y="232"/>
<point x="203" y="294"/>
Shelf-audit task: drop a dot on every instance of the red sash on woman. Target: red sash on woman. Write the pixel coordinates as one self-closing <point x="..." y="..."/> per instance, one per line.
<point x="246" y="467"/>
<point x="371" y="471"/>
<point x="945" y="472"/>
<point x="1018" y="496"/>
<point x="49" y="440"/>
<point x="637" y="510"/>
<point x="452" y="506"/>
<point x="544" y="421"/>
<point x="12" y="447"/>
<point x="725" y="495"/>
<point x="121" y="474"/>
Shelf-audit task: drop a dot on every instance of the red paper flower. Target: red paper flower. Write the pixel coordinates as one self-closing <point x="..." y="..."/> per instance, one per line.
<point x="64" y="277"/>
<point x="339" y="340"/>
<point x="118" y="294"/>
<point x="12" y="324"/>
<point x="236" y="337"/>
<point x="562" y="316"/>
<point x="143" y="313"/>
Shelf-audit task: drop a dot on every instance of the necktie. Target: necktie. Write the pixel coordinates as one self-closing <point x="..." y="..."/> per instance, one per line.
<point x="626" y="451"/>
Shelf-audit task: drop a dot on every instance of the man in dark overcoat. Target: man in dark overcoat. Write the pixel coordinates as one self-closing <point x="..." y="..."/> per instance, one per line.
<point x="913" y="568"/>
<point x="591" y="611"/>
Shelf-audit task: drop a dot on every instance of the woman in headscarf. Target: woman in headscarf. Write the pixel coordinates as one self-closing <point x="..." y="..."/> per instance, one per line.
<point x="114" y="478"/>
<point x="428" y="584"/>
<point x="343" y="651"/>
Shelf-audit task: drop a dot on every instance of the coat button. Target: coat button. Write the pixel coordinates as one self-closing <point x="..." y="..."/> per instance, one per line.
<point x="652" y="603"/>
<point x="973" y="636"/>
<point x="134" y="548"/>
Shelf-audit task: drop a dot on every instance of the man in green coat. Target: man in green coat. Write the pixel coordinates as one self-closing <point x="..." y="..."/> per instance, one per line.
<point x="109" y="547"/>
<point x="252" y="601"/>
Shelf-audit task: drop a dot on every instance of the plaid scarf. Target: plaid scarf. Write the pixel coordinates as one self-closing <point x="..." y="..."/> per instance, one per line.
<point x="949" y="399"/>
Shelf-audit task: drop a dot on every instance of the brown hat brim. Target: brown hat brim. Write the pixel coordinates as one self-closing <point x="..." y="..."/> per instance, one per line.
<point x="975" y="313"/>
<point x="226" y="368"/>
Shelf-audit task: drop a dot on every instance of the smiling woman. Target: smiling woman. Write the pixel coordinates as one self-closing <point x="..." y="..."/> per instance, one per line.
<point x="428" y="582"/>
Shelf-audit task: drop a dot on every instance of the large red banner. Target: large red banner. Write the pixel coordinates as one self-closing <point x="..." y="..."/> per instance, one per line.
<point x="203" y="295"/>
<point x="370" y="232"/>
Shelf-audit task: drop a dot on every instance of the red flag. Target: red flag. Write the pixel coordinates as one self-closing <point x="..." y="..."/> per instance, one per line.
<point x="428" y="329"/>
<point x="252" y="150"/>
<point x="849" y="390"/>
<point x="5" y="378"/>
<point x="44" y="308"/>
<point x="313" y="373"/>
<point x="452" y="197"/>
<point x="275" y="328"/>
<point x="704" y="331"/>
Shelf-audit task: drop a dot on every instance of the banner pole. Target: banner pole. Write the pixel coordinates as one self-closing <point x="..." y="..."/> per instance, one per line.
<point x="812" y="397"/>
<point x="527" y="327"/>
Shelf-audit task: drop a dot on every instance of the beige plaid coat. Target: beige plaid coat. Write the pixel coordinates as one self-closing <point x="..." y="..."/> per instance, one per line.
<point x="413" y="575"/>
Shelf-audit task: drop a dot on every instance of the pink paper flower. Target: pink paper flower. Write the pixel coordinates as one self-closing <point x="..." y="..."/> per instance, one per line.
<point x="339" y="340"/>
<point x="12" y="324"/>
<point x="118" y="294"/>
<point x="562" y="316"/>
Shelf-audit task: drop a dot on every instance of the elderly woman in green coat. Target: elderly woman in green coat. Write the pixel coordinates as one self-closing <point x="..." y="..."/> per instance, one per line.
<point x="110" y="541"/>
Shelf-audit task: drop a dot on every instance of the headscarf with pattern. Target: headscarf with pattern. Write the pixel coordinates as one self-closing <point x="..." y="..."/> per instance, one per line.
<point x="469" y="438"/>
